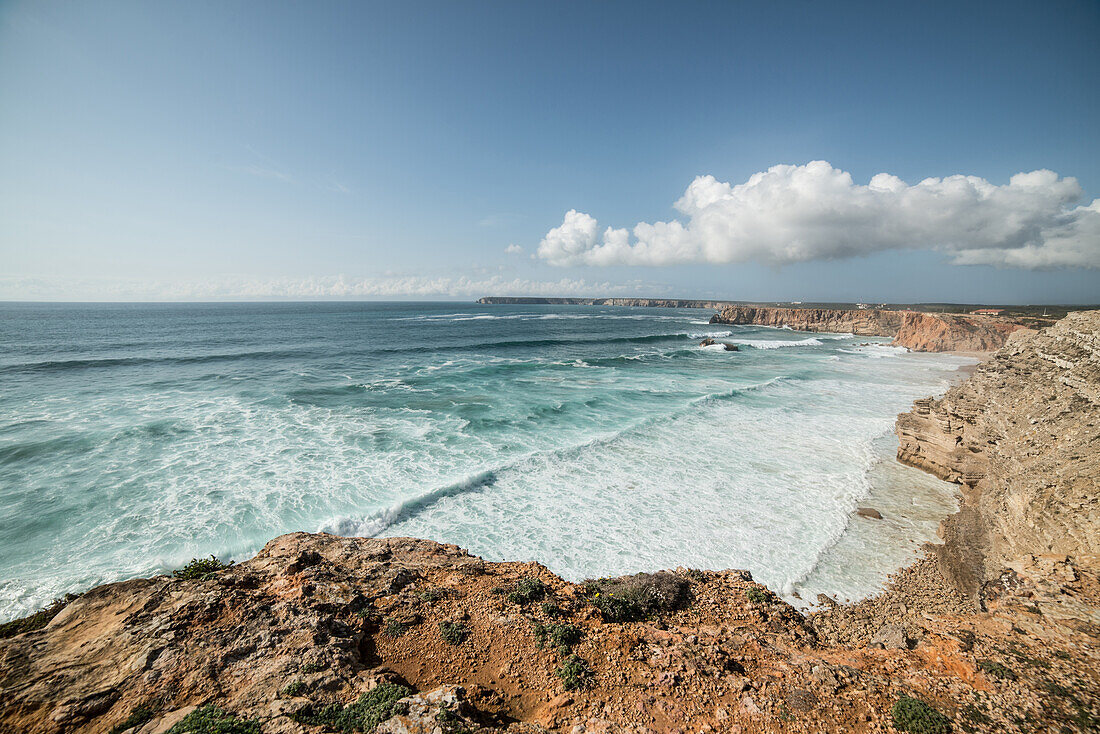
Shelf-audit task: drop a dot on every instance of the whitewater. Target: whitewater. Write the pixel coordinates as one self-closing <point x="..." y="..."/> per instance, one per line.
<point x="595" y="440"/>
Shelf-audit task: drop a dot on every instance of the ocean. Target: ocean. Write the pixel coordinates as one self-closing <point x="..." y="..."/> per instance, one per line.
<point x="595" y="440"/>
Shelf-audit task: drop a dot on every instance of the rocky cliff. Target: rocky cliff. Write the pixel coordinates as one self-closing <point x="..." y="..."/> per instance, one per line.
<point x="1022" y="437"/>
<point x="319" y="633"/>
<point x="921" y="332"/>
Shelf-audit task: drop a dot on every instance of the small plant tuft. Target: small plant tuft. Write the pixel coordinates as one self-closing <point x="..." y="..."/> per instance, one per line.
<point x="454" y="632"/>
<point x="575" y="673"/>
<point x="450" y="722"/>
<point x="210" y="719"/>
<point x="917" y="717"/>
<point x="370" y="710"/>
<point x="201" y="569"/>
<point x="638" y="597"/>
<point x="997" y="670"/>
<point x="757" y="596"/>
<point x="307" y="668"/>
<point x="138" y="716"/>
<point x="434" y="594"/>
<point x="558" y="635"/>
<point x="297" y="688"/>
<point x="395" y="627"/>
<point x="527" y="590"/>
<point x="552" y="610"/>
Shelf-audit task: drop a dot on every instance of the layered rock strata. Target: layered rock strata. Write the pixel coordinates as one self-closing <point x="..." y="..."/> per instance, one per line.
<point x="1022" y="438"/>
<point x="919" y="331"/>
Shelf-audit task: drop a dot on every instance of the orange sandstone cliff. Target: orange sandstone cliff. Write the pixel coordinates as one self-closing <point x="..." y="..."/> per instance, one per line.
<point x="919" y="331"/>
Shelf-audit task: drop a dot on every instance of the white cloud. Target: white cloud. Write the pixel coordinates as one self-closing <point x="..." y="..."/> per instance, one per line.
<point x="513" y="249"/>
<point x="328" y="287"/>
<point x="791" y="214"/>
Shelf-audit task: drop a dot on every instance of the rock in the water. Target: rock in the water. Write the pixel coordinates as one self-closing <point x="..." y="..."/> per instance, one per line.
<point x="731" y="347"/>
<point x="870" y="512"/>
<point x="708" y="342"/>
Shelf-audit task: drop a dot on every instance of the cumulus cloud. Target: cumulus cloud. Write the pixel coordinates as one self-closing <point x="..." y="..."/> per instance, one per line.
<point x="791" y="214"/>
<point x="513" y="249"/>
<point x="329" y="287"/>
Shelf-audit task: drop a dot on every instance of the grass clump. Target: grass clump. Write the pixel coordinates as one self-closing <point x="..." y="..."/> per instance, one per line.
<point x="201" y="569"/>
<point x="307" y="668"/>
<point x="992" y="667"/>
<point x="450" y="722"/>
<point x="454" y="632"/>
<point x="917" y="717"/>
<point x="434" y="594"/>
<point x="557" y="635"/>
<point x="756" y="595"/>
<point x="527" y="590"/>
<point x="638" y="597"/>
<point x="138" y="716"/>
<point x="297" y="688"/>
<point x="35" y="621"/>
<point x="575" y="673"/>
<point x="395" y="627"/>
<point x="370" y="710"/>
<point x="210" y="719"/>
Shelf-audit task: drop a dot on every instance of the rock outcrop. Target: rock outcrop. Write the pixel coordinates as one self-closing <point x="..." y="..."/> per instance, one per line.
<point x="916" y="330"/>
<point x="1022" y="437"/>
<point x="320" y="633"/>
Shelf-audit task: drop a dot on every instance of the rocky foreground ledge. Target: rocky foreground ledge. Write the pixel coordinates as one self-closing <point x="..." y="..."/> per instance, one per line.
<point x="320" y="633"/>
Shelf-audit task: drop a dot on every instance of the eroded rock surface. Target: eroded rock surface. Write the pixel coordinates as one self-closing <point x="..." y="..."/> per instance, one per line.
<point x="921" y="332"/>
<point x="1022" y="437"/>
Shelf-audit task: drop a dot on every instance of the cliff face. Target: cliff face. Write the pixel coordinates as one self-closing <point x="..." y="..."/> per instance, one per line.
<point x="870" y="322"/>
<point x="921" y="332"/>
<point x="1022" y="436"/>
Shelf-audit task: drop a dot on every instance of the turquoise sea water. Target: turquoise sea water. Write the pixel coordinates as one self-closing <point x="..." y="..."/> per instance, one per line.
<point x="594" y="440"/>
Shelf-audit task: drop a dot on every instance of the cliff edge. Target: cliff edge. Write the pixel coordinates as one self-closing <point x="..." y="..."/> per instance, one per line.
<point x="916" y="330"/>
<point x="1022" y="438"/>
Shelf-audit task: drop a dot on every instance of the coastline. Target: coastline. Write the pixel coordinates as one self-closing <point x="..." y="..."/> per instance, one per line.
<point x="352" y="615"/>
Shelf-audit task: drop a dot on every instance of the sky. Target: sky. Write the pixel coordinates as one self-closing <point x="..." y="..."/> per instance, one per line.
<point x="878" y="151"/>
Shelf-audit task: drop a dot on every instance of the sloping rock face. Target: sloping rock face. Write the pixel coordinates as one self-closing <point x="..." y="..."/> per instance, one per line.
<point x="311" y="624"/>
<point x="921" y="332"/>
<point x="1022" y="437"/>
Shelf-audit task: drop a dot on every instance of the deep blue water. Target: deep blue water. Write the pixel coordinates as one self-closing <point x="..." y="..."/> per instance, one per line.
<point x="595" y="440"/>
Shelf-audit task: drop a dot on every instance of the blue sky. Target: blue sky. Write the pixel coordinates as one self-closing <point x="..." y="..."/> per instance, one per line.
<point x="399" y="150"/>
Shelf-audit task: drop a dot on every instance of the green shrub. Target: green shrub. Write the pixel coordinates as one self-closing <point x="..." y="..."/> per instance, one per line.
<point x="370" y="710"/>
<point x="450" y="722"/>
<point x="210" y="719"/>
<point x="557" y="635"/>
<point x="638" y="597"/>
<point x="201" y="568"/>
<point x="454" y="632"/>
<point x="551" y="609"/>
<point x="757" y="595"/>
<point x="992" y="667"/>
<point x="915" y="716"/>
<point x="36" y="621"/>
<point x="527" y="590"/>
<point x="297" y="688"/>
<point x="308" y="668"/>
<point x="138" y="716"/>
<point x="575" y="673"/>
